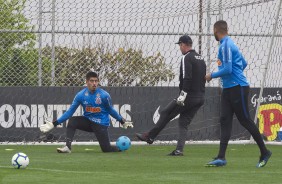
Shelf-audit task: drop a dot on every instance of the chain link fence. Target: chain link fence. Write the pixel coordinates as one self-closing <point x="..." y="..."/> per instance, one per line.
<point x="129" y="43"/>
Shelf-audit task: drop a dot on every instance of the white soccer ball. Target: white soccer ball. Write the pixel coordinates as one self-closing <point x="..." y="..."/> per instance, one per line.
<point x="20" y="160"/>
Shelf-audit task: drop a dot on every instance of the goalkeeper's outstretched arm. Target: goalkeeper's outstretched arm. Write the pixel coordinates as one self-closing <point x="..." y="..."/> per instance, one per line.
<point x="124" y="123"/>
<point x="48" y="125"/>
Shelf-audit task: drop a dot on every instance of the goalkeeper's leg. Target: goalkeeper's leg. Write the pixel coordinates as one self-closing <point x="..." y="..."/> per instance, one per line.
<point x="103" y="137"/>
<point x="82" y="123"/>
<point x="77" y="122"/>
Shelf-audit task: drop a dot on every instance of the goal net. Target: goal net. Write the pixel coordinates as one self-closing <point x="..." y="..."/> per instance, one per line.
<point x="47" y="46"/>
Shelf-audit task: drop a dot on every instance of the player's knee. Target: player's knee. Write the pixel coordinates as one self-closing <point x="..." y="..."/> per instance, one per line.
<point x="246" y="122"/>
<point x="107" y="149"/>
<point x="184" y="121"/>
<point x="71" y="123"/>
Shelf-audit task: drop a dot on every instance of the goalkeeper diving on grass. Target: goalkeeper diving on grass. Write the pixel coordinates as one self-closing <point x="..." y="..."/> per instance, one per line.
<point x="190" y="99"/>
<point x="97" y="106"/>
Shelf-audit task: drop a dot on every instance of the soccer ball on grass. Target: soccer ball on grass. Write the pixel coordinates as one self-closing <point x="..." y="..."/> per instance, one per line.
<point x="123" y="143"/>
<point x="20" y="160"/>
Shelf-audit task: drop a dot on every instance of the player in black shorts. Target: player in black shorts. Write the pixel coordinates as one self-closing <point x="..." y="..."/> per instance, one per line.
<point x="190" y="99"/>
<point x="234" y="97"/>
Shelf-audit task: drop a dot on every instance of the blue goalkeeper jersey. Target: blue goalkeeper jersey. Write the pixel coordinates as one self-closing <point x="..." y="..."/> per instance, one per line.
<point x="231" y="64"/>
<point x="97" y="107"/>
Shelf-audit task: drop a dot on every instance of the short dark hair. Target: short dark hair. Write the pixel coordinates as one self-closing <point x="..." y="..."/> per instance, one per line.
<point x="221" y="26"/>
<point x="91" y="74"/>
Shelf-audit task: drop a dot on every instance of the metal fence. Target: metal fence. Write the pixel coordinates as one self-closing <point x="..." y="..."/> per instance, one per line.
<point x="131" y="43"/>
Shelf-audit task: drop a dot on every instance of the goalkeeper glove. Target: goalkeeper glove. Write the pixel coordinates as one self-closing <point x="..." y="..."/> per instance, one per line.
<point x="47" y="126"/>
<point x="125" y="124"/>
<point x="180" y="100"/>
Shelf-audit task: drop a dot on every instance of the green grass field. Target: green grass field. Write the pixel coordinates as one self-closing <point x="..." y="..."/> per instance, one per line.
<point x="141" y="164"/>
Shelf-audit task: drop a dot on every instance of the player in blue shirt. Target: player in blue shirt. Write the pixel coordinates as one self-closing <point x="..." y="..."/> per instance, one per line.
<point x="234" y="97"/>
<point x="97" y="106"/>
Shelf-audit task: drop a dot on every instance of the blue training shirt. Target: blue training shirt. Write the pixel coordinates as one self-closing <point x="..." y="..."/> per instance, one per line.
<point x="231" y="64"/>
<point x="96" y="107"/>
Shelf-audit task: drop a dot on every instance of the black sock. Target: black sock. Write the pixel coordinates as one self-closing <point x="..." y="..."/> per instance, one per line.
<point x="222" y="150"/>
<point x="68" y="143"/>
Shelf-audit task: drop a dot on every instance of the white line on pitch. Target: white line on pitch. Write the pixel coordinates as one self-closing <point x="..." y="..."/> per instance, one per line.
<point x="256" y="171"/>
<point x="54" y="170"/>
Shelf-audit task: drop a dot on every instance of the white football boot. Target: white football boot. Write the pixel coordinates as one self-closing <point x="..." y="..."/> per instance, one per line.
<point x="64" y="149"/>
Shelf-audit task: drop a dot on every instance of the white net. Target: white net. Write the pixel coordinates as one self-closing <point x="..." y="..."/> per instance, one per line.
<point x="57" y="41"/>
<point x="131" y="43"/>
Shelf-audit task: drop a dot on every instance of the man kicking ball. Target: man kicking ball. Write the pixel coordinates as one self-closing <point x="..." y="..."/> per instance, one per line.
<point x="190" y="99"/>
